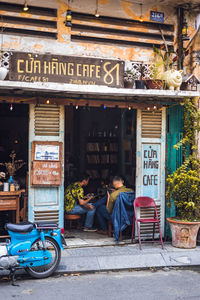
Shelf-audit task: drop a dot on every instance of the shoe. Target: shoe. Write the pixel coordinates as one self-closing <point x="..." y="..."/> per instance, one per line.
<point x="102" y="232"/>
<point x="89" y="229"/>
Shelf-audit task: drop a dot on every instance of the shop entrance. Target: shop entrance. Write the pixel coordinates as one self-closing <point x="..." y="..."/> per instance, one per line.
<point x="100" y="141"/>
<point x="13" y="146"/>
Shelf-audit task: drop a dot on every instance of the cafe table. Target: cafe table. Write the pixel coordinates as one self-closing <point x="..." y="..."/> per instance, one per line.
<point x="10" y="201"/>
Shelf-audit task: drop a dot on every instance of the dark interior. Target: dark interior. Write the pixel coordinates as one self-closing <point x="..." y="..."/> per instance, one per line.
<point x="13" y="137"/>
<point x="100" y="141"/>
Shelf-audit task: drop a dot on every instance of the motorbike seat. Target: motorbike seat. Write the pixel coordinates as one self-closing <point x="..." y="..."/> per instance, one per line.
<point x="20" y="228"/>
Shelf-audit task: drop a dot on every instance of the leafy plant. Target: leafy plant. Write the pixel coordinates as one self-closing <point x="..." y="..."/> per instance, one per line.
<point x="167" y="56"/>
<point x="191" y="127"/>
<point x="129" y="75"/>
<point x="183" y="186"/>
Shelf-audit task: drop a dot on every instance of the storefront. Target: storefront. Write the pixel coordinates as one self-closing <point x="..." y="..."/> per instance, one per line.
<point x="66" y="64"/>
<point x="76" y="125"/>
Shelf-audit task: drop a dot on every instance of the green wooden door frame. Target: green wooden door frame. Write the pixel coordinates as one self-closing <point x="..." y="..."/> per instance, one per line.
<point x="173" y="156"/>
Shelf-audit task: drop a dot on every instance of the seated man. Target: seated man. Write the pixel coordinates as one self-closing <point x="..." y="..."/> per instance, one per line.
<point x="105" y="205"/>
<point x="76" y="203"/>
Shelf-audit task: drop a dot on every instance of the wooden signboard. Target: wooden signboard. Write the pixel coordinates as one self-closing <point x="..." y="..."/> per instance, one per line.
<point x="46" y="167"/>
<point x="30" y="67"/>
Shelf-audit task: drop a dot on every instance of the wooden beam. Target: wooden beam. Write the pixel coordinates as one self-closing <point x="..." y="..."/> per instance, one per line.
<point x="121" y="21"/>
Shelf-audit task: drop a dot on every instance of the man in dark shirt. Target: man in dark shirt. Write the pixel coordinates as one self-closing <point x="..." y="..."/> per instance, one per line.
<point x="105" y="205"/>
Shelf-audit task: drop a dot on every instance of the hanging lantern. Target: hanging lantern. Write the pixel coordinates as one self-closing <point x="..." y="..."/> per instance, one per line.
<point x="141" y="14"/>
<point x="68" y="22"/>
<point x="185" y="36"/>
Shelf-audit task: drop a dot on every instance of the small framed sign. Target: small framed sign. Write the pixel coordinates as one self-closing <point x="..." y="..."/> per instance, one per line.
<point x="46" y="167"/>
<point x="47" y="152"/>
<point x="157" y="16"/>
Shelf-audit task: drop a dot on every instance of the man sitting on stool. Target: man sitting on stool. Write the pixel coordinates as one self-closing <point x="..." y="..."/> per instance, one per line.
<point x="105" y="205"/>
<point x="76" y="203"/>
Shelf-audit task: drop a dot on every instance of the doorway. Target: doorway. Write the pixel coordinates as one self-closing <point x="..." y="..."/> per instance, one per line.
<point x="101" y="142"/>
<point x="13" y="144"/>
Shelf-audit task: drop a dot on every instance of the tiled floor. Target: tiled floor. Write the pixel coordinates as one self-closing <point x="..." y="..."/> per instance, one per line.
<point x="77" y="238"/>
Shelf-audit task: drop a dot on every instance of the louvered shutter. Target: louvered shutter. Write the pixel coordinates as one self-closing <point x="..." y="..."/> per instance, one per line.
<point x="150" y="170"/>
<point x="46" y="124"/>
<point x="46" y="215"/>
<point x="47" y="120"/>
<point x="151" y="124"/>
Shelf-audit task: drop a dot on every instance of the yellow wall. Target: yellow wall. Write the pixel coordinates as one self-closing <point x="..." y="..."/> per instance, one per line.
<point x="63" y="45"/>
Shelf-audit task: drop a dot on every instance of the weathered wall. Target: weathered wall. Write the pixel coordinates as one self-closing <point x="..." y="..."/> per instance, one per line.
<point x="63" y="45"/>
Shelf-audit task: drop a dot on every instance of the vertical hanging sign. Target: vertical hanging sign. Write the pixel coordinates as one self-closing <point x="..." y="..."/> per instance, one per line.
<point x="151" y="170"/>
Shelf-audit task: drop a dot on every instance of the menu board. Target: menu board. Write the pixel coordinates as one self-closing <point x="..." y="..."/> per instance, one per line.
<point x="46" y="164"/>
<point x="46" y="173"/>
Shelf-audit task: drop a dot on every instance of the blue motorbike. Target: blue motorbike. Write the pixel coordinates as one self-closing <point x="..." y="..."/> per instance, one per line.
<point x="33" y="247"/>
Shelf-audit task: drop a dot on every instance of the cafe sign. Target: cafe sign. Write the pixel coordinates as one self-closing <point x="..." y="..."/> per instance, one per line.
<point x="29" y="67"/>
<point x="151" y="170"/>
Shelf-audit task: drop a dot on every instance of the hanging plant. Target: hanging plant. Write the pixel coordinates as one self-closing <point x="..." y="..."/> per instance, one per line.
<point x="191" y="128"/>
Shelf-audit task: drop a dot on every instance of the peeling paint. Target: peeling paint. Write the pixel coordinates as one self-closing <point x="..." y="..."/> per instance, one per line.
<point x="64" y="46"/>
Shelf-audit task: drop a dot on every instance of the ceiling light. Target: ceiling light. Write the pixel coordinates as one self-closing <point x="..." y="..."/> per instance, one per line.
<point x="141" y="14"/>
<point x="97" y="15"/>
<point x="25" y="8"/>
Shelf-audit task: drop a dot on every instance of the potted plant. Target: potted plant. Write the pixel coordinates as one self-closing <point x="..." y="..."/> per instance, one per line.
<point x="155" y="81"/>
<point x="183" y="186"/>
<point x="166" y="57"/>
<point x="13" y="166"/>
<point x="129" y="78"/>
<point x="140" y="83"/>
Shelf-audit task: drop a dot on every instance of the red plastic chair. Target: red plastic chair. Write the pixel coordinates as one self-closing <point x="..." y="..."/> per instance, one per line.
<point x="145" y="202"/>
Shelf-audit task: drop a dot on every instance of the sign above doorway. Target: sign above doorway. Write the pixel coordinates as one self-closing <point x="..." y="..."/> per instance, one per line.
<point x="29" y="67"/>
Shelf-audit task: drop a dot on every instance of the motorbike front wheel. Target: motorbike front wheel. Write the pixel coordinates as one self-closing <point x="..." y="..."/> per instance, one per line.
<point x="45" y="270"/>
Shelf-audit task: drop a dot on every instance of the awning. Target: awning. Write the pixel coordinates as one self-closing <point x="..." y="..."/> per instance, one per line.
<point x="14" y="91"/>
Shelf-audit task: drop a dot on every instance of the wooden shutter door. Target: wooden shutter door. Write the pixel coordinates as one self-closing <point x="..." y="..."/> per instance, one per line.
<point x="150" y="167"/>
<point x="46" y="124"/>
<point x="173" y="157"/>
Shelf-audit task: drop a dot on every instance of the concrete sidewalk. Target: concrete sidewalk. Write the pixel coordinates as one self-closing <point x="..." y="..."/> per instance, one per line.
<point x="126" y="257"/>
